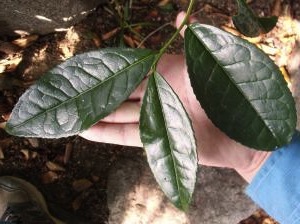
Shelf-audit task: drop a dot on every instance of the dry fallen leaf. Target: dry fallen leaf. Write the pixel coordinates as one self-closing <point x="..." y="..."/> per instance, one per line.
<point x="10" y="64"/>
<point x="97" y="41"/>
<point x="25" y="41"/>
<point x="258" y="216"/>
<point x="34" y="155"/>
<point x="129" y="41"/>
<point x="25" y="153"/>
<point x="5" y="117"/>
<point x="34" y="142"/>
<point x="163" y="3"/>
<point x="49" y="177"/>
<point x="54" y="167"/>
<point x="81" y="185"/>
<point x="6" y="142"/>
<point x="68" y="151"/>
<point x="8" y="48"/>
<point x="110" y="34"/>
<point x="95" y="178"/>
<point x="285" y="75"/>
<point x="277" y="8"/>
<point x="1" y="153"/>
<point x="77" y="202"/>
<point x="267" y="49"/>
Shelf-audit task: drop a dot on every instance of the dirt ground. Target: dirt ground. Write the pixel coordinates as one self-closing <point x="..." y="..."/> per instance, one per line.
<point x="72" y="172"/>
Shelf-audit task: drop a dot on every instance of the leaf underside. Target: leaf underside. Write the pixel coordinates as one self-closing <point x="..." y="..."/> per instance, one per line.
<point x="241" y="90"/>
<point x="249" y="24"/>
<point x="79" y="92"/>
<point x="169" y="141"/>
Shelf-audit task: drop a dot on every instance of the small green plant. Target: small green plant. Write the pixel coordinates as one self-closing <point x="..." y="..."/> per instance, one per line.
<point x="239" y="87"/>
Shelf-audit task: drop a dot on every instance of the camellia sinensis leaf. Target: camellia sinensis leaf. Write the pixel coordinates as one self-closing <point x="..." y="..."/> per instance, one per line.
<point x="240" y="88"/>
<point x="169" y="141"/>
<point x="79" y="92"/>
<point x="249" y="24"/>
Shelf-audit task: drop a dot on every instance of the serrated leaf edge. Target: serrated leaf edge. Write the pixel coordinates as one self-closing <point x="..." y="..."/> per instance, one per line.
<point x="8" y="128"/>
<point x="226" y="72"/>
<point x="170" y="149"/>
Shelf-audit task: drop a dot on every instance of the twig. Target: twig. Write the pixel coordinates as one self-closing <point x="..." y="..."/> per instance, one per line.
<point x="152" y="33"/>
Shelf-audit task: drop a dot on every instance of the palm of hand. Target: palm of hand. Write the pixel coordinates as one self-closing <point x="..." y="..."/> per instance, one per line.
<point x="214" y="147"/>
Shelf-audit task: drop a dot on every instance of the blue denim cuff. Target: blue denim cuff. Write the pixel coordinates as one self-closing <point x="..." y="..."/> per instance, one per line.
<point x="276" y="186"/>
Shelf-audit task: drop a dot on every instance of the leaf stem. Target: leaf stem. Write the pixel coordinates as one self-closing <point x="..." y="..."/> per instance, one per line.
<point x="168" y="43"/>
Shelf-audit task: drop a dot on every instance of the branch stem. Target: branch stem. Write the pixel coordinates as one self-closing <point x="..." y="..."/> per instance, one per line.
<point x="169" y="42"/>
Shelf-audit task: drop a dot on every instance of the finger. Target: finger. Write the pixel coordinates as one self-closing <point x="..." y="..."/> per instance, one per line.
<point x="179" y="20"/>
<point x="120" y="134"/>
<point x="127" y="112"/>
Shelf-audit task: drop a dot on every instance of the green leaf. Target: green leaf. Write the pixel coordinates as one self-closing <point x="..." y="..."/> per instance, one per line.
<point x="168" y="138"/>
<point x="79" y="92"/>
<point x="241" y="90"/>
<point x="249" y="24"/>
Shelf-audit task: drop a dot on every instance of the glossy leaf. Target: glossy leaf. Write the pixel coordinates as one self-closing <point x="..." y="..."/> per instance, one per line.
<point x="79" y="92"/>
<point x="241" y="90"/>
<point x="249" y="24"/>
<point x="169" y="141"/>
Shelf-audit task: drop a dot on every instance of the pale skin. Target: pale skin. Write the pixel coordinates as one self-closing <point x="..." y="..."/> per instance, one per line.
<point x="214" y="148"/>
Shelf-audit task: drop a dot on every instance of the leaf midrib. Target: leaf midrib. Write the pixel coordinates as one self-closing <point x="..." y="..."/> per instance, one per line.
<point x="232" y="81"/>
<point x="84" y="92"/>
<point x="168" y="139"/>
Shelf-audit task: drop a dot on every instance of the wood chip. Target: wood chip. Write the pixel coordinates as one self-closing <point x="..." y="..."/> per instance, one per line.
<point x="81" y="185"/>
<point x="54" y="167"/>
<point x="49" y="177"/>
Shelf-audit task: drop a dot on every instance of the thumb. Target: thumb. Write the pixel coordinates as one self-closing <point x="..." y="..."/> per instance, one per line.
<point x="179" y="20"/>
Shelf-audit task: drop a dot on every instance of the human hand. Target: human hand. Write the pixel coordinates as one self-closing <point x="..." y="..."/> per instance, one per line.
<point x="214" y="147"/>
